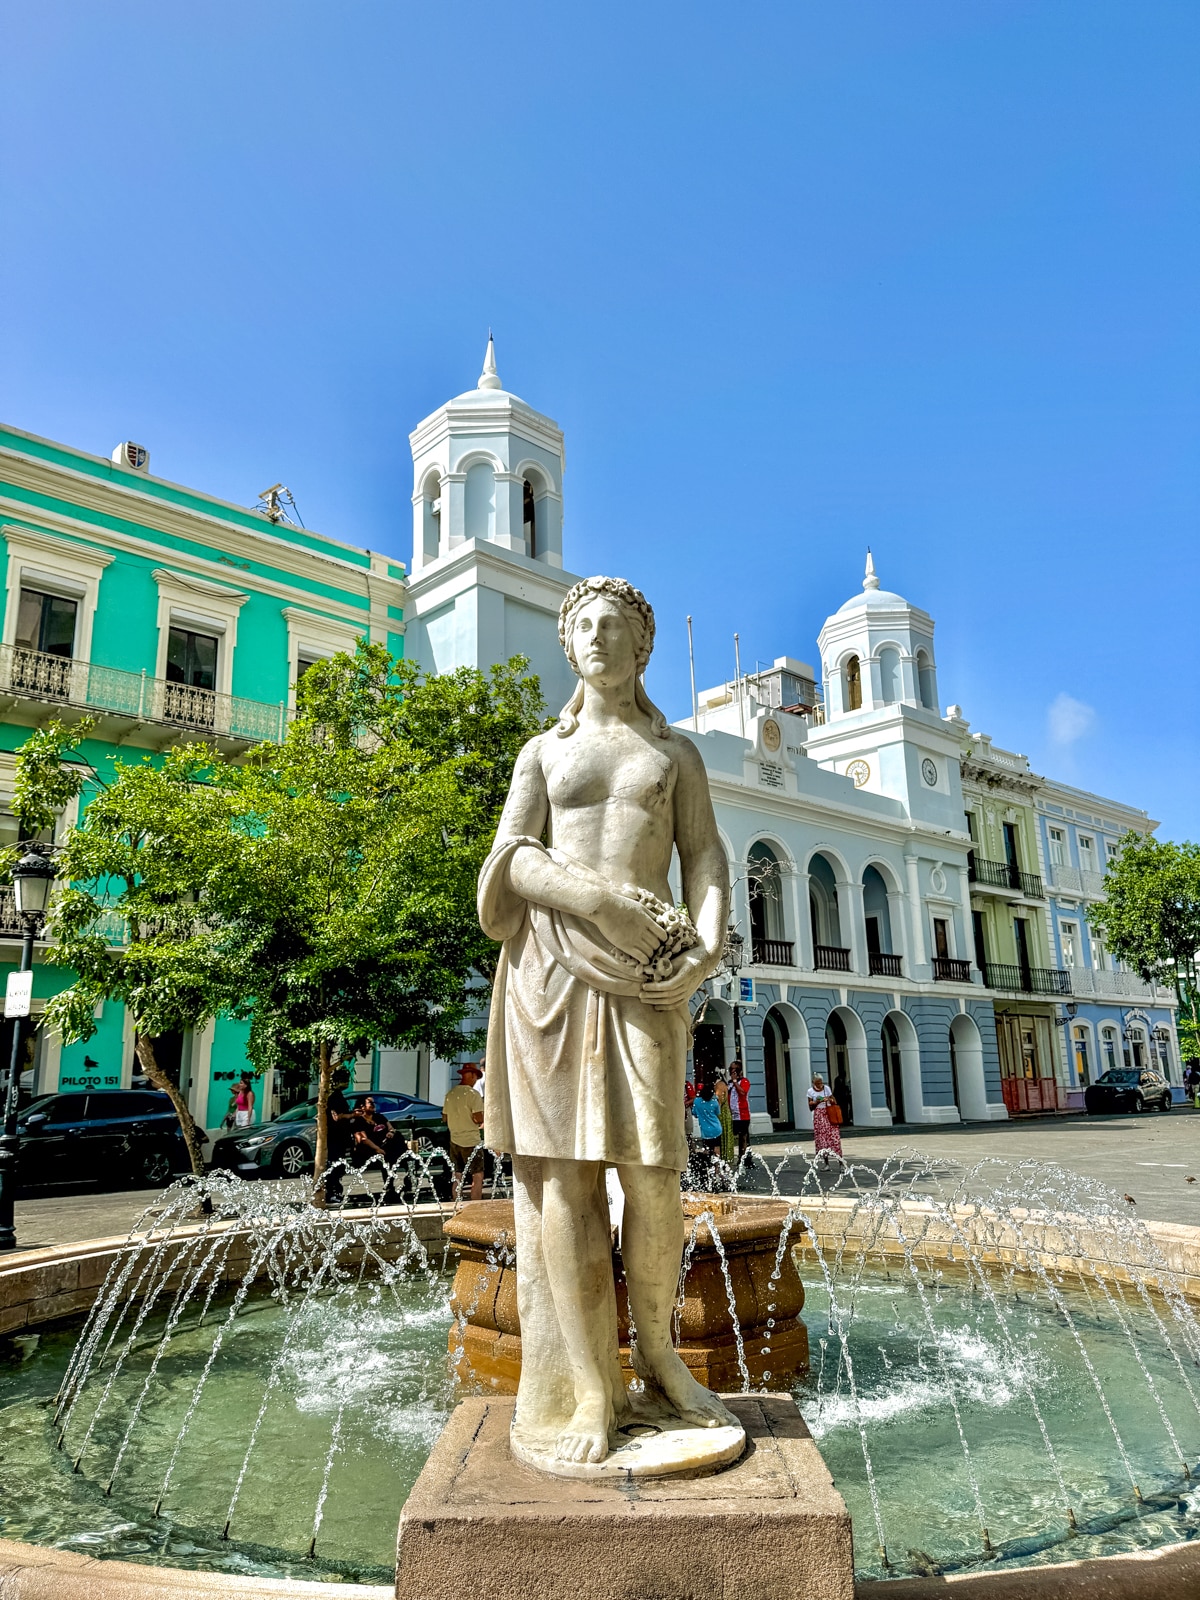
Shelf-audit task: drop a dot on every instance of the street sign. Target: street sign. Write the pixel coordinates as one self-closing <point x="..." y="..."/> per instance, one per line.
<point x="18" y="994"/>
<point x="745" y="992"/>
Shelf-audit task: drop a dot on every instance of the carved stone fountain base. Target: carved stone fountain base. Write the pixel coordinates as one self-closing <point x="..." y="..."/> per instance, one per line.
<point x="770" y="1525"/>
<point x="485" y="1340"/>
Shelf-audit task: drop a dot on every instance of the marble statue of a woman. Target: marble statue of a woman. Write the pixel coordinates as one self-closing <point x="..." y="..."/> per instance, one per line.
<point x="589" y="1034"/>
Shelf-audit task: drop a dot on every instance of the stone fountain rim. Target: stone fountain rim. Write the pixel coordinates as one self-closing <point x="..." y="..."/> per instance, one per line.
<point x="45" y="1572"/>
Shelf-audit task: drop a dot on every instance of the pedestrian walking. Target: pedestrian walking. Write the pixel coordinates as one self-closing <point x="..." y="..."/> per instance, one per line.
<point x="708" y="1120"/>
<point x="827" y="1116"/>
<point x="241" y="1103"/>
<point x="721" y="1091"/>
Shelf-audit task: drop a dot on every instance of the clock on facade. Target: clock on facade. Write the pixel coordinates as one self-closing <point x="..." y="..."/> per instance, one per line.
<point x="929" y="772"/>
<point x="859" y="771"/>
<point x="771" y="736"/>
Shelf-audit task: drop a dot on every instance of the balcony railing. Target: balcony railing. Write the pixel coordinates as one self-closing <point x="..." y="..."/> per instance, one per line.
<point x="948" y="969"/>
<point x="882" y="965"/>
<point x="1095" y="983"/>
<point x="28" y="674"/>
<point x="773" y="953"/>
<point x="1076" y="880"/>
<point x="1004" y="875"/>
<point x="1027" y="980"/>
<point x="831" y="958"/>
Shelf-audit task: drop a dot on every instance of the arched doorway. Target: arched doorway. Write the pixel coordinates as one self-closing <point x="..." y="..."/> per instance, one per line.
<point x="712" y="1040"/>
<point x="847" y="1070"/>
<point x="767" y="930"/>
<point x="777" y="1070"/>
<point x="893" y="1071"/>
<point x="966" y="1068"/>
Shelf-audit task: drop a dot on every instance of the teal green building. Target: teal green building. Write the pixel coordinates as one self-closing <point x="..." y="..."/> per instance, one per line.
<point x="164" y="614"/>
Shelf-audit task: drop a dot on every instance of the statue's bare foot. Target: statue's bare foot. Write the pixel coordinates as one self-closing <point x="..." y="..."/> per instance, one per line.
<point x="667" y="1378"/>
<point x="585" y="1437"/>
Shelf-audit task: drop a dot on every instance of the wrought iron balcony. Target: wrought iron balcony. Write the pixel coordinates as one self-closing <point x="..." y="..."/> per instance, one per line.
<point x="135" y="697"/>
<point x="831" y="958"/>
<point x="772" y="952"/>
<point x="882" y="965"/>
<point x="1004" y="875"/>
<point x="948" y="969"/>
<point x="1026" y="980"/>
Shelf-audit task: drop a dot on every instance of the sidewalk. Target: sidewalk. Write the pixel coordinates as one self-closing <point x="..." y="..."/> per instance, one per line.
<point x="1149" y="1157"/>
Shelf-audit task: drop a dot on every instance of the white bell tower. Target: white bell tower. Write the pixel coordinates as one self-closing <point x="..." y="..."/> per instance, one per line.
<point x="882" y="724"/>
<point x="487" y="568"/>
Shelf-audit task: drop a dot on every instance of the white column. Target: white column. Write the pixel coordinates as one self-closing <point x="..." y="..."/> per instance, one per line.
<point x="964" y="891"/>
<point x="510" y="506"/>
<point x="802" y="922"/>
<point x="454" y="510"/>
<point x="852" y="896"/>
<point x="916" y="912"/>
<point x="899" y="922"/>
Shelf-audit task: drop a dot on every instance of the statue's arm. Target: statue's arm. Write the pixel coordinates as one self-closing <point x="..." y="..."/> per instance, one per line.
<point x="705" y="879"/>
<point x="537" y="878"/>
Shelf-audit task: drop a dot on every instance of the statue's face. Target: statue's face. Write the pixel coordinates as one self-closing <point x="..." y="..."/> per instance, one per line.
<point x="603" y="642"/>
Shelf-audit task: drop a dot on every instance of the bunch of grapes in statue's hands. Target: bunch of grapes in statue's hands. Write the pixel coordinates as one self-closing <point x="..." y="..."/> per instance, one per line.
<point x="678" y="933"/>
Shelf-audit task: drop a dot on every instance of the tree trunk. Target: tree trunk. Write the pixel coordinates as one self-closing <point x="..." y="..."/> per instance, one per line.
<point x="324" y="1085"/>
<point x="144" y="1048"/>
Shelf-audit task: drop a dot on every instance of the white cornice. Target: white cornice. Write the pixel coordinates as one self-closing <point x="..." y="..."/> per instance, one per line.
<point x="165" y="577"/>
<point x="184" y="522"/>
<point x="154" y="549"/>
<point x="15" y="532"/>
<point x="479" y="560"/>
<point x="802" y="807"/>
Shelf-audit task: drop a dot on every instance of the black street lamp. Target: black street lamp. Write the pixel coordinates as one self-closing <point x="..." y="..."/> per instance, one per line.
<point x="731" y="960"/>
<point x="33" y="878"/>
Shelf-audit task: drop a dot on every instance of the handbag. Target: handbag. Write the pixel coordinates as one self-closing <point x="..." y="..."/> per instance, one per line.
<point x="834" y="1112"/>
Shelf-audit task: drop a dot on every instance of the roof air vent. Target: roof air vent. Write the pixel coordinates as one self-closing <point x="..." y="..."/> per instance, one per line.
<point x="134" y="456"/>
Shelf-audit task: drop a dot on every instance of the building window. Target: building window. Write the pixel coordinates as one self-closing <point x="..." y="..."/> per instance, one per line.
<point x="304" y="662"/>
<point x="970" y="815"/>
<point x="925" y="682"/>
<point x="529" y="517"/>
<point x="853" y="684"/>
<point x="1111" y="850"/>
<point x="1058" y="852"/>
<point x="191" y="659"/>
<point x="1087" y="853"/>
<point x="941" y="938"/>
<point x="1081" y="1054"/>
<point x="46" y="623"/>
<point x="1069" y="933"/>
<point x="1108" y="1044"/>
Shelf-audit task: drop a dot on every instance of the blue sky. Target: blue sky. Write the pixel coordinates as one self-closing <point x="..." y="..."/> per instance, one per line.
<point x="794" y="279"/>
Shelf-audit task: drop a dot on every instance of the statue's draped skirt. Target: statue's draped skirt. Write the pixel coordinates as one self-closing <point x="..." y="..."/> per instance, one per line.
<point x="579" y="1068"/>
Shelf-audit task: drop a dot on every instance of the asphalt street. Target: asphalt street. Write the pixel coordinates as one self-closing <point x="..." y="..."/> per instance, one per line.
<point x="1149" y="1157"/>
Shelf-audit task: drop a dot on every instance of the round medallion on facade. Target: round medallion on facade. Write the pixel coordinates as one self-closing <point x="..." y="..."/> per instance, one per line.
<point x="771" y="736"/>
<point x="929" y="772"/>
<point x="859" y="771"/>
<point x="937" y="880"/>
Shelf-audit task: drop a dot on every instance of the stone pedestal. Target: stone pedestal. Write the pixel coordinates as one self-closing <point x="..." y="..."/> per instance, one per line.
<point x="485" y="1340"/>
<point x="480" y="1523"/>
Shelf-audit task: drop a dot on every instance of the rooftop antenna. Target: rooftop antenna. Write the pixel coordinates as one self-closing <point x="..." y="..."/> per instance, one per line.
<point x="272" y="501"/>
<point x="692" y="665"/>
<point x="737" y="683"/>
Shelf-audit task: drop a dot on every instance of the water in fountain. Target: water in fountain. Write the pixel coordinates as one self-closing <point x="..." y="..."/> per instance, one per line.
<point x="1004" y="1371"/>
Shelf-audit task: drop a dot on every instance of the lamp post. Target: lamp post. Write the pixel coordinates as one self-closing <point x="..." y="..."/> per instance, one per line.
<point x="33" y="877"/>
<point x="731" y="960"/>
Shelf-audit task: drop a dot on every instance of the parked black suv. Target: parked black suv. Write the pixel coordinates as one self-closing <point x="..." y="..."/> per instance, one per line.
<point x="1127" y="1089"/>
<point x="114" y="1135"/>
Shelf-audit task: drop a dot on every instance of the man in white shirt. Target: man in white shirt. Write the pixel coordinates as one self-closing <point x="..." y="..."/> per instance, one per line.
<point x="463" y="1111"/>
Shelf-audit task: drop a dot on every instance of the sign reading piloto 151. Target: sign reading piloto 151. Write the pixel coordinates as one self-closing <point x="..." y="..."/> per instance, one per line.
<point x="18" y="994"/>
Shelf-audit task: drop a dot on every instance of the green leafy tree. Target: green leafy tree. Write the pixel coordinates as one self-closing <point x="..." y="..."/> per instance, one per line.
<point x="1150" y="919"/>
<point x="322" y="888"/>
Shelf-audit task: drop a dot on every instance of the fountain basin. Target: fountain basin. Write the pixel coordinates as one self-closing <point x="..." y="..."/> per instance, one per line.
<point x="40" y="1289"/>
<point x="485" y="1341"/>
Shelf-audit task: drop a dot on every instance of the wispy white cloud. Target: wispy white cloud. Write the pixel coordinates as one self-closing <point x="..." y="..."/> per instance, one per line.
<point x="1069" y="719"/>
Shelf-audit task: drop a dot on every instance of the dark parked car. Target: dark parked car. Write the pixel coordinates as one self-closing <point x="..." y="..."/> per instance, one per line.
<point x="284" y="1147"/>
<point x="1128" y="1089"/>
<point x="123" y="1135"/>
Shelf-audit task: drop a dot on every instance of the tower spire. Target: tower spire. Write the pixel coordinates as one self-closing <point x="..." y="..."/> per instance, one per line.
<point x="489" y="378"/>
<point x="870" y="581"/>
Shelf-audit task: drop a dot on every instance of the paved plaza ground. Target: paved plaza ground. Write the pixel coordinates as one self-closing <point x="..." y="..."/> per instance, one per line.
<point x="1149" y="1157"/>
